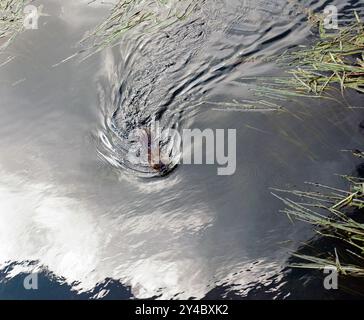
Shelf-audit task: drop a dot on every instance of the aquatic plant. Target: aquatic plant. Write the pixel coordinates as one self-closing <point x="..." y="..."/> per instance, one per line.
<point x="131" y="14"/>
<point x="11" y="20"/>
<point x="338" y="214"/>
<point x="335" y="60"/>
<point x="323" y="70"/>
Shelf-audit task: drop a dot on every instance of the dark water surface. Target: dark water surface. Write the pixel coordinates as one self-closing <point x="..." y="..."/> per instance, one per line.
<point x="74" y="211"/>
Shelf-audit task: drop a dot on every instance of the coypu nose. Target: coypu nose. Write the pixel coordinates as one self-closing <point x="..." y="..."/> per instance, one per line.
<point x="160" y="166"/>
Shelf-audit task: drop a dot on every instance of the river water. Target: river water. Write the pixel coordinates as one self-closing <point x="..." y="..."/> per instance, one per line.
<point x="90" y="225"/>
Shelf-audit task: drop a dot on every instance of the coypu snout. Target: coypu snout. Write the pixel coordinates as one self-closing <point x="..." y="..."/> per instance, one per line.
<point x="155" y="156"/>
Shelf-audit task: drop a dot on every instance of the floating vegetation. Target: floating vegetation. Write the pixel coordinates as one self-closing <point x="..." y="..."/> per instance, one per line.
<point x="131" y="14"/>
<point x="335" y="61"/>
<point x="11" y="20"/>
<point x="245" y="105"/>
<point x="338" y="214"/>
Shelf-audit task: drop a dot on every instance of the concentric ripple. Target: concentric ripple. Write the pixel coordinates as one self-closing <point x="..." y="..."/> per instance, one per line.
<point x="167" y="75"/>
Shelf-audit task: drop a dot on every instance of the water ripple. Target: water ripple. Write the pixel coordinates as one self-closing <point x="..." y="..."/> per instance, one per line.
<point x="167" y="75"/>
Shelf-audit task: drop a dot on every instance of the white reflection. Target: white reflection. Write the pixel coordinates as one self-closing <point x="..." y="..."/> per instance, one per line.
<point x="153" y="253"/>
<point x="36" y="224"/>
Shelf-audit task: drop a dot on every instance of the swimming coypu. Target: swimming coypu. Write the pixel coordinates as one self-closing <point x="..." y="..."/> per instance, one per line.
<point x="152" y="83"/>
<point x="164" y="75"/>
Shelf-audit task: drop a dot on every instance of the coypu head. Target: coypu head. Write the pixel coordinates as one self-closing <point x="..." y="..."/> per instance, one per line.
<point x="156" y="159"/>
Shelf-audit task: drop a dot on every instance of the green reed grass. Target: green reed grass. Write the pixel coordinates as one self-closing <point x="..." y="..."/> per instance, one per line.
<point x="131" y="14"/>
<point x="328" y="209"/>
<point x="333" y="64"/>
<point x="11" y="20"/>
<point x="334" y="61"/>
